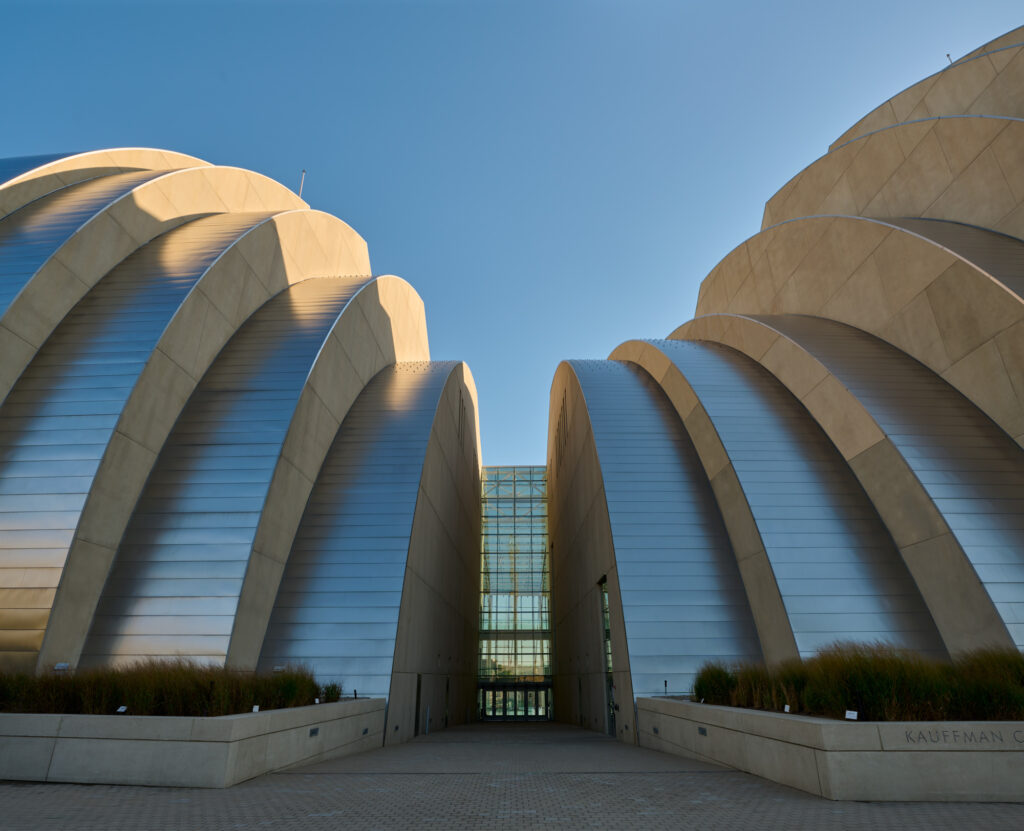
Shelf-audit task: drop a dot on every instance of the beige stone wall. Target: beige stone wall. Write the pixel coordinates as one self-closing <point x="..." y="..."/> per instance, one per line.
<point x="19" y="191"/>
<point x="986" y="81"/>
<point x="963" y="168"/>
<point x="437" y="644"/>
<point x="935" y="306"/>
<point x="1011" y="38"/>
<point x="947" y="148"/>
<point x="582" y="552"/>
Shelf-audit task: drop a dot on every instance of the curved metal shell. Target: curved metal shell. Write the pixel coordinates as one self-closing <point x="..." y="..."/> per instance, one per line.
<point x="969" y="467"/>
<point x="175" y="584"/>
<point x="264" y="260"/>
<point x="96" y="234"/>
<point x="168" y="417"/>
<point x="959" y="604"/>
<point x="682" y="599"/>
<point x="337" y="607"/>
<point x="59" y="418"/>
<point x="15" y="166"/>
<point x="839" y="574"/>
<point x="248" y="444"/>
<point x="30" y="236"/>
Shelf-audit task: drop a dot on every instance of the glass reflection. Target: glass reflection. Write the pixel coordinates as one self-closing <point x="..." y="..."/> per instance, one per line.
<point x="515" y="595"/>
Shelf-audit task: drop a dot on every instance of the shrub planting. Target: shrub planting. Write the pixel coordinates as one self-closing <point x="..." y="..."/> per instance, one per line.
<point x="157" y="688"/>
<point x="879" y="682"/>
<point x="715" y="683"/>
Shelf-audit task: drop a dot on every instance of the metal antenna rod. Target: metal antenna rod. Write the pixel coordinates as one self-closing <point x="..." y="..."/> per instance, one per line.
<point x="302" y="181"/>
<point x="949" y="59"/>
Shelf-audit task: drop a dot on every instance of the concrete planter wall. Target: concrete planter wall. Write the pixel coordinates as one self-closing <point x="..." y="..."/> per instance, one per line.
<point x="183" y="752"/>
<point x="876" y="761"/>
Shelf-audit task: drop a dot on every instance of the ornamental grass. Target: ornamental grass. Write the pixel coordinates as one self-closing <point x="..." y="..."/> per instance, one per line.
<point x="157" y="688"/>
<point x="879" y="682"/>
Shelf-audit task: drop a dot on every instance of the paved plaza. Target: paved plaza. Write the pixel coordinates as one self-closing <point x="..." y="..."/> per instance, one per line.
<point x="485" y="776"/>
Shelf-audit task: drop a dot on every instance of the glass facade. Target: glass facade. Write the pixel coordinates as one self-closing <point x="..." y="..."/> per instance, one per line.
<point x="609" y="678"/>
<point x="515" y="595"/>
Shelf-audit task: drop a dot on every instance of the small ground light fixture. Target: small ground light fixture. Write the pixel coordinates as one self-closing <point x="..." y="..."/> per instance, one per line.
<point x="122" y="709"/>
<point x="63" y="666"/>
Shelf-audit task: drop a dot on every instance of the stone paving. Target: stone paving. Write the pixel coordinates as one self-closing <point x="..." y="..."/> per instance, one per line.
<point x="485" y="776"/>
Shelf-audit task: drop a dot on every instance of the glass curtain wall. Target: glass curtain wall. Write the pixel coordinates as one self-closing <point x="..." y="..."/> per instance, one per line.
<point x="606" y="619"/>
<point x="515" y="596"/>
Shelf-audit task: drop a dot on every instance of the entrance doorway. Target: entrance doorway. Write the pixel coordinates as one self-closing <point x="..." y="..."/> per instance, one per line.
<point x="515" y="702"/>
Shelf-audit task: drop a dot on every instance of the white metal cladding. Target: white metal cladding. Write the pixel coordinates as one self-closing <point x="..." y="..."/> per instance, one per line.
<point x="838" y="570"/>
<point x="60" y="415"/>
<point x="338" y="604"/>
<point x="971" y="469"/>
<point x="32" y="234"/>
<point x="176" y="580"/>
<point x="683" y="602"/>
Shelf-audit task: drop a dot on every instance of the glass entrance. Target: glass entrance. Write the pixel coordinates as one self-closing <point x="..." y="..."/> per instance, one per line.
<point x="518" y="702"/>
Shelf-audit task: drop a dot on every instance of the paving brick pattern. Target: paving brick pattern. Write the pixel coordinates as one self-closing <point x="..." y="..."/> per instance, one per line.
<point x="485" y="776"/>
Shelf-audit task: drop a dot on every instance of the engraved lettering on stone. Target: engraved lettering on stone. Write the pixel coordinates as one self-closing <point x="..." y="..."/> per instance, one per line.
<point x="959" y="737"/>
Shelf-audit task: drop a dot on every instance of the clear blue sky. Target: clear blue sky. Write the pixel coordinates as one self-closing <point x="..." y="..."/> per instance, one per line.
<point x="552" y="177"/>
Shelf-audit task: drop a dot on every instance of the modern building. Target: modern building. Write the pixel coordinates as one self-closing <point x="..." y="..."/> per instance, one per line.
<point x="222" y="437"/>
<point x="831" y="449"/>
